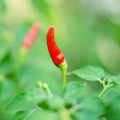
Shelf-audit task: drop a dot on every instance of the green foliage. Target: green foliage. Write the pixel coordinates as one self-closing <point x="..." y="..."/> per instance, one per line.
<point x="37" y="115"/>
<point x="90" y="73"/>
<point x="73" y="91"/>
<point x="90" y="109"/>
<point x="26" y="100"/>
<point x="40" y="103"/>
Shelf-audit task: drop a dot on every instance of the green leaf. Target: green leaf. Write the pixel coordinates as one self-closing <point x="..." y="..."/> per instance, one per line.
<point x="22" y="115"/>
<point x="89" y="73"/>
<point x="42" y="115"/>
<point x="7" y="90"/>
<point x="26" y="100"/>
<point x="90" y="109"/>
<point x="6" y="64"/>
<point x="113" y="108"/>
<point x="116" y="79"/>
<point x="112" y="98"/>
<point x="85" y="115"/>
<point x="93" y="104"/>
<point x="6" y="39"/>
<point x="73" y="91"/>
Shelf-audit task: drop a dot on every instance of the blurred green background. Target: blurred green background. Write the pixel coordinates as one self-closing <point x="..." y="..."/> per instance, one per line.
<point x="87" y="32"/>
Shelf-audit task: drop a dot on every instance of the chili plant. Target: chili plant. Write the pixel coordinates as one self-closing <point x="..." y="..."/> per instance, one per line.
<point x="74" y="102"/>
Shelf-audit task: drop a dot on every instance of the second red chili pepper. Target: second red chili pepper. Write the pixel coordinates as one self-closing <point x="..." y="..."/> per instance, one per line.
<point x="31" y="36"/>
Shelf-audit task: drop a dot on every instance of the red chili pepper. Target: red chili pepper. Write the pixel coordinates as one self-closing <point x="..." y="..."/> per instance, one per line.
<point x="54" y="51"/>
<point x="31" y="36"/>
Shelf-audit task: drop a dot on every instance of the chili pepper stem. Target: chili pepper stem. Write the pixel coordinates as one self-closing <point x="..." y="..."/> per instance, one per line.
<point x="63" y="68"/>
<point x="64" y="76"/>
<point x="21" y="59"/>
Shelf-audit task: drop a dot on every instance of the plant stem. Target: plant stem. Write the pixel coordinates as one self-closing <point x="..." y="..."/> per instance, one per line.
<point x="49" y="93"/>
<point x="63" y="68"/>
<point x="64" y="114"/>
<point x="105" y="90"/>
<point x="21" y="59"/>
<point x="64" y="72"/>
<point x="46" y="87"/>
<point x="18" y="64"/>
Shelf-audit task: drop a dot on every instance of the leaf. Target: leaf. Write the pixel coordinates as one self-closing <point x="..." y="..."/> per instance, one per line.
<point x="7" y="90"/>
<point x="55" y="103"/>
<point x="113" y="105"/>
<point x="72" y="91"/>
<point x="93" y="104"/>
<point x="6" y="64"/>
<point x="21" y="115"/>
<point x="85" y="115"/>
<point x="116" y="79"/>
<point x="89" y="73"/>
<point x="90" y="109"/>
<point x="26" y="100"/>
<point x="42" y="115"/>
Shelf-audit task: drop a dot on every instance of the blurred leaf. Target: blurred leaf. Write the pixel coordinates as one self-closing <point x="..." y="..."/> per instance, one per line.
<point x="42" y="6"/>
<point x="113" y="108"/>
<point x="85" y="115"/>
<point x="90" y="73"/>
<point x="42" y="115"/>
<point x="8" y="89"/>
<point x="26" y="100"/>
<point x="2" y="7"/>
<point x="87" y="104"/>
<point x="6" y="64"/>
<point x="111" y="100"/>
<point x="22" y="115"/>
<point x="54" y="104"/>
<point x="91" y="109"/>
<point x="116" y="79"/>
<point x="5" y="40"/>
<point x="2" y="115"/>
<point x="73" y="91"/>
